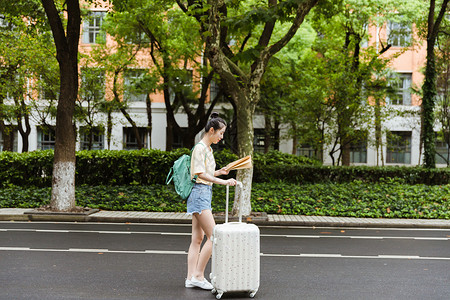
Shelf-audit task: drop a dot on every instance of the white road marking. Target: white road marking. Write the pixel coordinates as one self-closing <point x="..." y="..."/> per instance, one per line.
<point x="262" y="235"/>
<point x="83" y="250"/>
<point x="164" y="252"/>
<point x="312" y="255"/>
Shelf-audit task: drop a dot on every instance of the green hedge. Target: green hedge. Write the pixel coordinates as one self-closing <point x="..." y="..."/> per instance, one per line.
<point x="148" y="167"/>
<point x="303" y="174"/>
<point x="355" y="199"/>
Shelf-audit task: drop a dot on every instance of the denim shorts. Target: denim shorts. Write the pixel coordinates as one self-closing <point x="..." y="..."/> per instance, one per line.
<point x="199" y="199"/>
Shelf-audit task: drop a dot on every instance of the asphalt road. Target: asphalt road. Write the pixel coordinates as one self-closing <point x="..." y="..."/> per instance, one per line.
<point x="145" y="261"/>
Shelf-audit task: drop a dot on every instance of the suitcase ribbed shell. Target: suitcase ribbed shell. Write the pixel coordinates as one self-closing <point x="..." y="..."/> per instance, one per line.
<point x="236" y="258"/>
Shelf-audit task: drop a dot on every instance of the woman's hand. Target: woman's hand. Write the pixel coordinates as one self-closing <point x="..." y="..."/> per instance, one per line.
<point x="223" y="171"/>
<point x="231" y="182"/>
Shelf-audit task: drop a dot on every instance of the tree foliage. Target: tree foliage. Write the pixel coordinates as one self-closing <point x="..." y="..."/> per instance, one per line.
<point x="174" y="50"/>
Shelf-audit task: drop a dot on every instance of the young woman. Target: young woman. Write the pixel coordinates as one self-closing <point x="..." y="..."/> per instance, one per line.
<point x="199" y="201"/>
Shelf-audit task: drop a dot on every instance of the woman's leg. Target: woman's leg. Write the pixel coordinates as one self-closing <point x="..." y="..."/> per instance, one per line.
<point x="206" y="222"/>
<point x="194" y="248"/>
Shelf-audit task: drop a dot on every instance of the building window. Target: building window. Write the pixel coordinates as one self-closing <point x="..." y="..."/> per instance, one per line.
<point x="399" y="34"/>
<point x="442" y="151"/>
<point x="134" y="87"/>
<point x="399" y="147"/>
<point x="182" y="84"/>
<point x="214" y="91"/>
<point x="259" y="140"/>
<point x="93" y="140"/>
<point x="358" y="151"/>
<point x="3" y="22"/>
<point x="129" y="138"/>
<point x="92" y="27"/>
<point x="365" y="38"/>
<point x="92" y="84"/>
<point x="12" y="139"/>
<point x="307" y="151"/>
<point x="46" y="90"/>
<point x="138" y="37"/>
<point x="402" y="87"/>
<point x="177" y="139"/>
<point x="46" y="138"/>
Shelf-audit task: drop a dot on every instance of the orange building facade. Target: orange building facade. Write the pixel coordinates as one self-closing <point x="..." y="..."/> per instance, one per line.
<point x="400" y="142"/>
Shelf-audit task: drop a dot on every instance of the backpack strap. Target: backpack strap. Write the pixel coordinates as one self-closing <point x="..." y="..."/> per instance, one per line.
<point x="196" y="176"/>
<point x="168" y="180"/>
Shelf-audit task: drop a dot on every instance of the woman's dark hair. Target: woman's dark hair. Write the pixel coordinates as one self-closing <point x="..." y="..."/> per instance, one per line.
<point x="215" y="122"/>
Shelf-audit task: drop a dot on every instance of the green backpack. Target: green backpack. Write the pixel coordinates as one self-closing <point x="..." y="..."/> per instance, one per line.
<point x="180" y="172"/>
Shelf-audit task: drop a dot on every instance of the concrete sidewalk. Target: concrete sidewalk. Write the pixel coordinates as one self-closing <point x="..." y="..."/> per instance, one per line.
<point x="27" y="214"/>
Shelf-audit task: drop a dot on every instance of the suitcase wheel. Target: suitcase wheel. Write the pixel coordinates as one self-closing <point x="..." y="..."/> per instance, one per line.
<point x="252" y="294"/>
<point x="219" y="295"/>
<point x="213" y="291"/>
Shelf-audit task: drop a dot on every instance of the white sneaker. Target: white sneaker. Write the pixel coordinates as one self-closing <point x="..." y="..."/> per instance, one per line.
<point x="188" y="284"/>
<point x="204" y="284"/>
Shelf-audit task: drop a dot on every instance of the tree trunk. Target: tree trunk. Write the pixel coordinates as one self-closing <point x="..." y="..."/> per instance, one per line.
<point x="429" y="94"/>
<point x="24" y="133"/>
<point x="148" y="103"/>
<point x="109" y="125"/>
<point x="66" y="41"/>
<point x="345" y="152"/>
<point x="294" y="139"/>
<point x="63" y="181"/>
<point x="429" y="85"/>
<point x="378" y="135"/>
<point x="5" y="130"/>
<point x="245" y="135"/>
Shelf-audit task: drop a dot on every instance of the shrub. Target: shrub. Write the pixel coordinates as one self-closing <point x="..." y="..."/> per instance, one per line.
<point x="354" y="199"/>
<point x="29" y="168"/>
<point x="148" y="167"/>
<point x="302" y="174"/>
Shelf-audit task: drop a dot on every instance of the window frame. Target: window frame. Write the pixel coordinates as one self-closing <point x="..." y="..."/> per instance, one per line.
<point x="400" y="151"/>
<point x="98" y="139"/>
<point x="358" y="151"/>
<point x="86" y="94"/>
<point x="259" y="139"/>
<point x="403" y="90"/>
<point x="128" y="82"/>
<point x="442" y="151"/>
<point x="399" y="34"/>
<point x="128" y="134"/>
<point x="306" y="150"/>
<point x="92" y="31"/>
<point x="49" y="143"/>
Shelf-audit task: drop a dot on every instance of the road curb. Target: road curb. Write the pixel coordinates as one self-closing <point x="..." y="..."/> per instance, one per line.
<point x="182" y="218"/>
<point x="354" y="224"/>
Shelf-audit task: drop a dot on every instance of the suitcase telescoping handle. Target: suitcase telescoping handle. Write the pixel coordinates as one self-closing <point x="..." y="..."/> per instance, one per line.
<point x="240" y="202"/>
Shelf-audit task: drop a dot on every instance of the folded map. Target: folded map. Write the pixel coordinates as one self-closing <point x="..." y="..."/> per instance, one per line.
<point x="242" y="163"/>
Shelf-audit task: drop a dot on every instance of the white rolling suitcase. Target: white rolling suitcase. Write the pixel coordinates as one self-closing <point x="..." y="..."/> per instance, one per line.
<point x="235" y="263"/>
